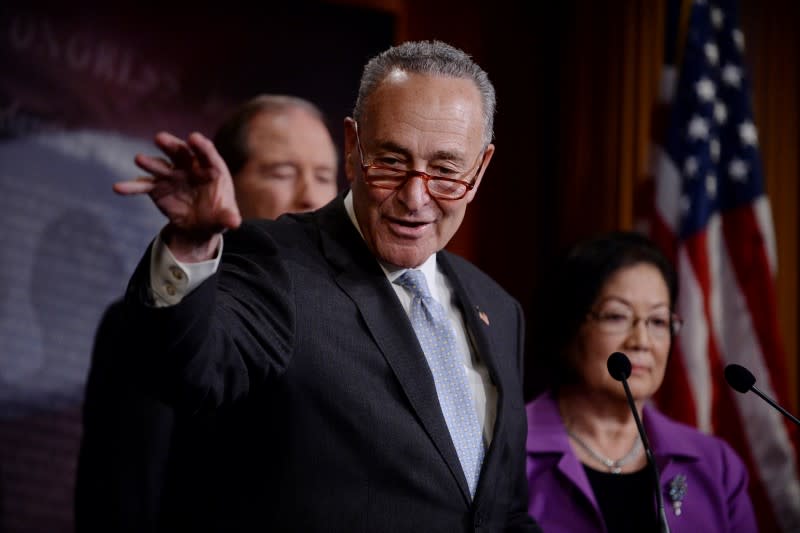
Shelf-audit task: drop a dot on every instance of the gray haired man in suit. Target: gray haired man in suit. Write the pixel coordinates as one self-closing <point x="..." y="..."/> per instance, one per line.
<point x="387" y="370"/>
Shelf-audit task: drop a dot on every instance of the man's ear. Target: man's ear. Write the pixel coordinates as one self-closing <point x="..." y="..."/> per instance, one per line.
<point x="487" y="157"/>
<point x="351" y="160"/>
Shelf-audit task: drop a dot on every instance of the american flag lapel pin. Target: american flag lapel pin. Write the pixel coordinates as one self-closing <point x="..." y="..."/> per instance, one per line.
<point x="483" y="316"/>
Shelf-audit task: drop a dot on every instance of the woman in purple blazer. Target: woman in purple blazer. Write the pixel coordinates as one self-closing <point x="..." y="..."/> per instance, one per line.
<point x="587" y="470"/>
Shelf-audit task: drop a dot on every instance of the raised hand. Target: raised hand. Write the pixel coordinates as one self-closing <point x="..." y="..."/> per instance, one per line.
<point x="194" y="190"/>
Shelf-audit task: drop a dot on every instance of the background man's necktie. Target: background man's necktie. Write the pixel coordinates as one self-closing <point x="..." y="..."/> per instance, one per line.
<point x="438" y="340"/>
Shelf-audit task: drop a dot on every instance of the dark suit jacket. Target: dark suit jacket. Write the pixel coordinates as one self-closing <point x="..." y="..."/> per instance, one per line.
<point x="143" y="466"/>
<point x="302" y="322"/>
<point x="124" y="445"/>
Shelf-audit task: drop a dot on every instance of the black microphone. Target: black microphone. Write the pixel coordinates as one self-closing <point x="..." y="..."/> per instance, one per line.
<point x="742" y="380"/>
<point x="619" y="366"/>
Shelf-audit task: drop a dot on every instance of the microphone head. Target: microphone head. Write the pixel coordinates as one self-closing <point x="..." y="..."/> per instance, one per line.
<point x="738" y="377"/>
<point x="619" y="366"/>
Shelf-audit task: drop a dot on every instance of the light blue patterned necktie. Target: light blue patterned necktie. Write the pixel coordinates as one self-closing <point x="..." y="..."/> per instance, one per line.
<point x="438" y="340"/>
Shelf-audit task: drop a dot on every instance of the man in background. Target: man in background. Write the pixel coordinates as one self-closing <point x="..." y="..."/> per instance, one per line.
<point x="281" y="156"/>
<point x="144" y="467"/>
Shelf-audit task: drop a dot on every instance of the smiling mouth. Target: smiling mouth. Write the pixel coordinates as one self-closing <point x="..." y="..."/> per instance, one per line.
<point x="408" y="227"/>
<point x="411" y="223"/>
<point x="408" y="223"/>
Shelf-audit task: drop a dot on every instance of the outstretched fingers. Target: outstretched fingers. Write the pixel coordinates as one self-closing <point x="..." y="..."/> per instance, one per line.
<point x="139" y="185"/>
<point x="176" y="149"/>
<point x="158" y="166"/>
<point x="207" y="155"/>
<point x="189" y="183"/>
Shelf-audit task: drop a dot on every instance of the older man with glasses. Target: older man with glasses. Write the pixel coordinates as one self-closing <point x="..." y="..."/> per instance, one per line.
<point x="388" y="370"/>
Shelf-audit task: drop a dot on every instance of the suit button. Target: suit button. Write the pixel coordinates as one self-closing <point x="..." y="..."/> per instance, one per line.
<point x="478" y="519"/>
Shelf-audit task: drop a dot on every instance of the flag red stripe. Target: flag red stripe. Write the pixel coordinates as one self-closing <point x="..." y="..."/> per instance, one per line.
<point x="747" y="251"/>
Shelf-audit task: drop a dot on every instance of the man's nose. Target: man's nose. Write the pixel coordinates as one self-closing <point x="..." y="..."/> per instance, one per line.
<point x="414" y="192"/>
<point x="308" y="192"/>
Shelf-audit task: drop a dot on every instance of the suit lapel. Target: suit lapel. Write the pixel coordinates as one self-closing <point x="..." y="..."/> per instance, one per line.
<point x="361" y="278"/>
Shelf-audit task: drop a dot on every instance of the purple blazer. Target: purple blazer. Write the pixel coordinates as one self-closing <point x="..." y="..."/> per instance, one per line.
<point x="561" y="499"/>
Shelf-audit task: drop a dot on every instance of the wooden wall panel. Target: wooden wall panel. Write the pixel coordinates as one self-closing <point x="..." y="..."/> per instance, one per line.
<point x="773" y="56"/>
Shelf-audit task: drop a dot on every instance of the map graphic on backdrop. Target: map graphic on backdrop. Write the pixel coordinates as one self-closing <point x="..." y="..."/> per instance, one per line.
<point x="63" y="255"/>
<point x="86" y="92"/>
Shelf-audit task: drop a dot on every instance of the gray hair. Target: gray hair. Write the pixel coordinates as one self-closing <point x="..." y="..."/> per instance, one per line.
<point x="232" y="135"/>
<point x="428" y="57"/>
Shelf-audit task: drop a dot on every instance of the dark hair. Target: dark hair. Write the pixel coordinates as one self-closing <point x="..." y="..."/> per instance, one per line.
<point x="232" y="135"/>
<point x="434" y="58"/>
<point x="573" y="290"/>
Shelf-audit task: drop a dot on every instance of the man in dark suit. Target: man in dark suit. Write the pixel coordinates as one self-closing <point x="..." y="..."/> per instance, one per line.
<point x="143" y="467"/>
<point x="386" y="371"/>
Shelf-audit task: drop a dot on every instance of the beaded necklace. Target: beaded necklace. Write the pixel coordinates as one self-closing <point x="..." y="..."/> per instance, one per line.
<point x="615" y="467"/>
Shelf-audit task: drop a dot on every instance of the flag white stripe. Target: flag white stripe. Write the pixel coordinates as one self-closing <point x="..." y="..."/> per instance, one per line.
<point x="694" y="340"/>
<point x="668" y="189"/>
<point x="763" y="214"/>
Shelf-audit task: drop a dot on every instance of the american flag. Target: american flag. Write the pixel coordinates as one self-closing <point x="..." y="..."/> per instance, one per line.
<point x="713" y="218"/>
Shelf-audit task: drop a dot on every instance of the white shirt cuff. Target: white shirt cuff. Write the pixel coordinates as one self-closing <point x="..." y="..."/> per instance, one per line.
<point x="170" y="279"/>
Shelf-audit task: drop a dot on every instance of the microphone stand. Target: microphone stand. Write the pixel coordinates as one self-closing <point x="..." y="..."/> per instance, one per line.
<point x="770" y="401"/>
<point x="742" y="380"/>
<point x="662" y="515"/>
